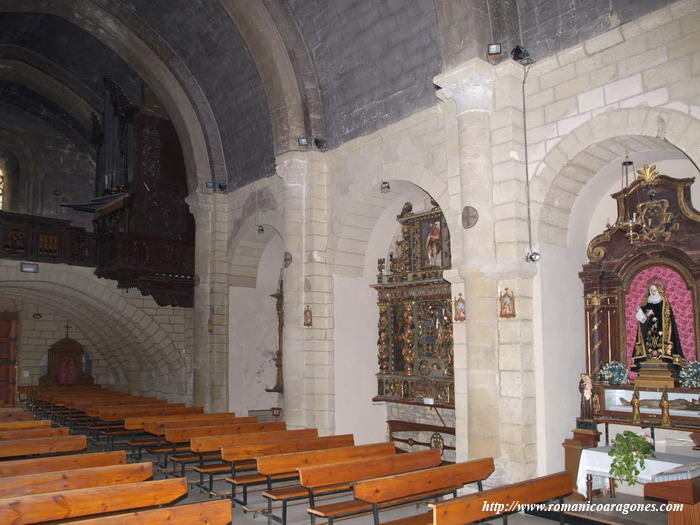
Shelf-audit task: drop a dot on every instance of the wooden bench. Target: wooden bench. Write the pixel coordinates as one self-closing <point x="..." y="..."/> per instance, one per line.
<point x="315" y="478"/>
<point x="139" y="422"/>
<point x="501" y="500"/>
<point x="50" y="506"/>
<point x="17" y="425"/>
<point x="82" y="478"/>
<point x="33" y="433"/>
<point x="175" y="436"/>
<point x="20" y="467"/>
<point x="277" y="465"/>
<point x="213" y="443"/>
<point x="417" y="486"/>
<point x="236" y="454"/>
<point x="216" y="512"/>
<point x="45" y="445"/>
<point x="16" y="416"/>
<point x="157" y="429"/>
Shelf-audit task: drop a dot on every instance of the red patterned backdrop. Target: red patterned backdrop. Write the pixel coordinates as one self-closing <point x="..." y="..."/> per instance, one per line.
<point x="678" y="294"/>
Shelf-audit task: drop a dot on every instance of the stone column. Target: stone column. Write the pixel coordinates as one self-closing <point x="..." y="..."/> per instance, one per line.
<point x="308" y="351"/>
<point x="470" y="86"/>
<point x="210" y="319"/>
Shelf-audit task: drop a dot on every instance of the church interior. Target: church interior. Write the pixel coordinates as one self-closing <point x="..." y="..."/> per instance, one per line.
<point x="450" y="244"/>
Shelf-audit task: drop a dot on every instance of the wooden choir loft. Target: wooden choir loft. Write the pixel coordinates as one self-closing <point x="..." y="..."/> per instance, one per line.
<point x="143" y="232"/>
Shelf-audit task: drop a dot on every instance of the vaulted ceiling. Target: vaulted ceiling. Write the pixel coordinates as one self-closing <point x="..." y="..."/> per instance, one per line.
<point x="243" y="79"/>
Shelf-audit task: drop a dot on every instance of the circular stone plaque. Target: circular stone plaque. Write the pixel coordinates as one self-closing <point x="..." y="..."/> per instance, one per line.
<point x="469" y="217"/>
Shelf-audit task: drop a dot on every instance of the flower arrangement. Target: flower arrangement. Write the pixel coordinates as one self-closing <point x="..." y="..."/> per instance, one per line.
<point x="629" y="450"/>
<point x="613" y="373"/>
<point x="690" y="375"/>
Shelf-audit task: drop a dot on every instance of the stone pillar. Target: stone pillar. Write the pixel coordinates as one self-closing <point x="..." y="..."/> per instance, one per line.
<point x="210" y="319"/>
<point x="308" y="351"/>
<point x="499" y="375"/>
<point x="470" y="86"/>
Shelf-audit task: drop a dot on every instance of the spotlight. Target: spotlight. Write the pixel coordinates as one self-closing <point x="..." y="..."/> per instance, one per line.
<point x="261" y="229"/>
<point x="303" y="141"/>
<point x="521" y="55"/>
<point x="223" y="187"/>
<point x="533" y="257"/>
<point x="385" y="188"/>
<point x="321" y="144"/>
<point x="27" y="267"/>
<point x="493" y="49"/>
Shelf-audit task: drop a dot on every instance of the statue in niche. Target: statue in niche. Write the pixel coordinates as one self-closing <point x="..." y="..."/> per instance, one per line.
<point x="506" y="304"/>
<point x="657" y="334"/>
<point x="433" y="245"/>
<point x="460" y="309"/>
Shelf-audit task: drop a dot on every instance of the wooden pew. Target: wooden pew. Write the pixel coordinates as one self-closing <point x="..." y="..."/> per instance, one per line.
<point x="270" y="466"/>
<point x="16" y="425"/>
<point x="213" y="443"/>
<point x="420" y="485"/>
<point x="16" y="416"/>
<point x="51" y="445"/>
<point x="33" y="433"/>
<point x="216" y="512"/>
<point x="82" y="478"/>
<point x="237" y="454"/>
<point x="139" y="422"/>
<point x="50" y="506"/>
<point x="157" y="429"/>
<point x="20" y="467"/>
<point x="315" y="478"/>
<point x="471" y="508"/>
<point x="174" y="436"/>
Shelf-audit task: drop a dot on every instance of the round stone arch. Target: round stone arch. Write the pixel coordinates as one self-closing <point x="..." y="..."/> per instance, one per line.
<point x="120" y="29"/>
<point x="359" y="207"/>
<point x="276" y="44"/>
<point x="133" y="328"/>
<point x="576" y="159"/>
<point x="80" y="316"/>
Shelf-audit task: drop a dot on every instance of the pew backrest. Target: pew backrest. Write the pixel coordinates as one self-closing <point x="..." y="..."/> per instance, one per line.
<point x="16" y="416"/>
<point x="16" y="425"/>
<point x="283" y="463"/>
<point x="137" y="422"/>
<point x="471" y="508"/>
<point x="74" y="479"/>
<point x="51" y="506"/>
<point x="50" y="445"/>
<point x="212" y="443"/>
<point x="235" y="453"/>
<point x="399" y="486"/>
<point x="217" y="512"/>
<point x="95" y="411"/>
<point x="33" y="433"/>
<point x="20" y="467"/>
<point x="181" y="435"/>
<point x="324" y="475"/>
<point x="119" y="414"/>
<point x="159" y="428"/>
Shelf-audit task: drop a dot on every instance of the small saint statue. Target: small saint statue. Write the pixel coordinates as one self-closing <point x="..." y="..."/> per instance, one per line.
<point x="636" y="415"/>
<point x="308" y="316"/>
<point x="665" y="410"/>
<point x="585" y="386"/>
<point x="657" y="334"/>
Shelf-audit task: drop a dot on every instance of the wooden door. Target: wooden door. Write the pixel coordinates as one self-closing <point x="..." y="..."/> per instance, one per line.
<point x="8" y="358"/>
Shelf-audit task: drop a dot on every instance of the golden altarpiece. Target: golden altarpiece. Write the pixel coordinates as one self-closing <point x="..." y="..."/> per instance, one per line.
<point x="415" y="346"/>
<point x="641" y="310"/>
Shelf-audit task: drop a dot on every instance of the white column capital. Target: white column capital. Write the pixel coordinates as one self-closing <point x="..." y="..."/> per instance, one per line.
<point x="470" y="85"/>
<point x="201" y="204"/>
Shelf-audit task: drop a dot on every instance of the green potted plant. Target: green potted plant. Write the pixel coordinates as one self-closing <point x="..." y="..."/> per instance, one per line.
<point x="629" y="450"/>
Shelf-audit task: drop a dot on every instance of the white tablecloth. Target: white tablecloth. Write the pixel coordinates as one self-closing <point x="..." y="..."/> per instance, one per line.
<point x="595" y="461"/>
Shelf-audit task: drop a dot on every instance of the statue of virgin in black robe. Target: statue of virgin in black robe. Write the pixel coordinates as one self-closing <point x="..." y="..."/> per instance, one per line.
<point x="657" y="334"/>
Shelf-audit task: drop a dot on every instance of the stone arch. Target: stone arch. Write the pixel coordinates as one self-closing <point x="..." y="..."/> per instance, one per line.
<point x="120" y="29"/>
<point x="133" y="329"/>
<point x="574" y="161"/>
<point x="359" y="207"/>
<point x="285" y="67"/>
<point x="49" y="87"/>
<point x="25" y="157"/>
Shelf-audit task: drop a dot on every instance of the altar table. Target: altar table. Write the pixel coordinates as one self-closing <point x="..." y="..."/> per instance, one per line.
<point x="596" y="462"/>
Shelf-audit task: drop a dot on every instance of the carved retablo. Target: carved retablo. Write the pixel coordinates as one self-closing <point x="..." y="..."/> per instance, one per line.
<point x="415" y="355"/>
